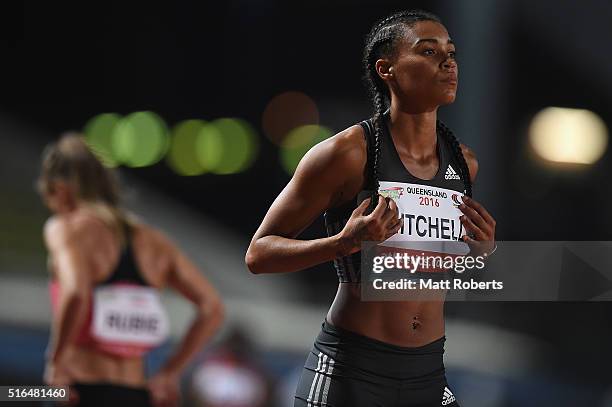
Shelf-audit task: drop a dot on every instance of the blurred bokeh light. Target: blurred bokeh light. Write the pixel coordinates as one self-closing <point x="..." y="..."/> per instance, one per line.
<point x="98" y="132"/>
<point x="140" y="139"/>
<point x="287" y="111"/>
<point x="182" y="156"/>
<point x="565" y="135"/>
<point x="226" y="146"/>
<point x="298" y="142"/>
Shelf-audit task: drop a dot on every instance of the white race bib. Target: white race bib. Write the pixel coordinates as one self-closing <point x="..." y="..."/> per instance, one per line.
<point x="430" y="218"/>
<point x="129" y="315"/>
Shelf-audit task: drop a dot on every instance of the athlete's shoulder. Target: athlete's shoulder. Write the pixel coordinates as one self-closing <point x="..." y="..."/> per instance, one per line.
<point x="149" y="232"/>
<point x="471" y="161"/>
<point x="152" y="237"/>
<point x="349" y="140"/>
<point x="334" y="160"/>
<point x="71" y="228"/>
<point x="346" y="147"/>
<point x="55" y="229"/>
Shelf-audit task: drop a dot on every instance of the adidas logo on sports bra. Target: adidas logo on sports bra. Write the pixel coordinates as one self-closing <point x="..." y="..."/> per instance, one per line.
<point x="450" y="173"/>
<point x="447" y="397"/>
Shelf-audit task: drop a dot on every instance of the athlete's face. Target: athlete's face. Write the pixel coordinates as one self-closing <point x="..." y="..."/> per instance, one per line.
<point x="423" y="73"/>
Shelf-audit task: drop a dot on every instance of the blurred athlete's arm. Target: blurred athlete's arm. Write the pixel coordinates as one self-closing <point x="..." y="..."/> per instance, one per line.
<point x="318" y="184"/>
<point x="471" y="161"/>
<point x="187" y="279"/>
<point x="65" y="244"/>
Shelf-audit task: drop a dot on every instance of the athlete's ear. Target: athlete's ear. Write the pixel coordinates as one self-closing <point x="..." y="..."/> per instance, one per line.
<point x="384" y="69"/>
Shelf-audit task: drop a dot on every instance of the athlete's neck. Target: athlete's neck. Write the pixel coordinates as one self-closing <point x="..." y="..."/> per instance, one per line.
<point x="415" y="132"/>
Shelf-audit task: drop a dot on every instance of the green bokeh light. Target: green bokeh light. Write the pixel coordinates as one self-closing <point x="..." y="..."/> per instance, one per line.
<point x="140" y="139"/>
<point x="297" y="143"/>
<point x="183" y="153"/>
<point x="98" y="135"/>
<point x="227" y="146"/>
<point x="209" y="147"/>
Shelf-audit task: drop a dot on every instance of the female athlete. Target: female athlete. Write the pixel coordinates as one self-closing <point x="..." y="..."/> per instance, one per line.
<point x="381" y="353"/>
<point x="107" y="269"/>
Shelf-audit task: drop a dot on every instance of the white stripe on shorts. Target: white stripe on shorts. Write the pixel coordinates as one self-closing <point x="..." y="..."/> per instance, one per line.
<point x="322" y="377"/>
<point x="327" y="382"/>
<point x="314" y="380"/>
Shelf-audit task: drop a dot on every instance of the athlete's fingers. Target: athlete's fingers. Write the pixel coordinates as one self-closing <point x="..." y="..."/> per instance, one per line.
<point x="480" y="248"/>
<point x="396" y="226"/>
<point x="392" y="211"/>
<point x="471" y="242"/>
<point x="474" y="216"/>
<point x="393" y="229"/>
<point x="380" y="208"/>
<point x="470" y="226"/>
<point x="360" y="210"/>
<point x="389" y="234"/>
<point x="393" y="207"/>
<point x="480" y="209"/>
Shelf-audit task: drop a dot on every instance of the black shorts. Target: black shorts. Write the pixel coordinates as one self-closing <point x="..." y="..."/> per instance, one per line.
<point x="103" y="394"/>
<point x="345" y="369"/>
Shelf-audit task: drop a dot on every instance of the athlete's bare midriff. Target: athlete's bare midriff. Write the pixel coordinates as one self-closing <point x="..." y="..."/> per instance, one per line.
<point x="91" y="366"/>
<point x="401" y="323"/>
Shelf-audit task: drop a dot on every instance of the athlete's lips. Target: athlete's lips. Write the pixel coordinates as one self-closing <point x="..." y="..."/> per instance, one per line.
<point x="451" y="79"/>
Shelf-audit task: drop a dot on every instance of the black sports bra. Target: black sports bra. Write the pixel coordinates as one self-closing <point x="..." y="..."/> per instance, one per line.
<point x="397" y="182"/>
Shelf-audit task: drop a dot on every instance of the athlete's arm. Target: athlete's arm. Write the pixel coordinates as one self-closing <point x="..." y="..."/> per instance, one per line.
<point x="318" y="183"/>
<point x="187" y="279"/>
<point x="66" y="245"/>
<point x="471" y="161"/>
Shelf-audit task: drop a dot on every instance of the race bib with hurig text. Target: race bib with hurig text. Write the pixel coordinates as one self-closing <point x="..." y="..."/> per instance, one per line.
<point x="128" y="319"/>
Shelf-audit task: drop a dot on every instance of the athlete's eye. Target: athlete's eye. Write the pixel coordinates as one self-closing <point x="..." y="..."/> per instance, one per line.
<point x="429" y="52"/>
<point x="452" y="54"/>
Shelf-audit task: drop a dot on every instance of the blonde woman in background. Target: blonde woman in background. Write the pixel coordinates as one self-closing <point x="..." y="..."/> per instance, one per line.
<point x="107" y="269"/>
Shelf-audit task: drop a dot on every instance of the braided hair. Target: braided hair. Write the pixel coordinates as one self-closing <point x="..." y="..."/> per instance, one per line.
<point x="382" y="42"/>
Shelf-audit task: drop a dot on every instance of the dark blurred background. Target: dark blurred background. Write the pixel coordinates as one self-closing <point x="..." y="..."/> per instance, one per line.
<point x="63" y="66"/>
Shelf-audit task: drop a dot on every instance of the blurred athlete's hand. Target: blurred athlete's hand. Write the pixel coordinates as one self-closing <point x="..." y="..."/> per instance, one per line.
<point x="57" y="375"/>
<point x="165" y="390"/>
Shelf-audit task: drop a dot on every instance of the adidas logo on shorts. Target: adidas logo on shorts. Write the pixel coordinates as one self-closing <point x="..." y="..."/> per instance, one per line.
<point x="450" y="173"/>
<point x="447" y="397"/>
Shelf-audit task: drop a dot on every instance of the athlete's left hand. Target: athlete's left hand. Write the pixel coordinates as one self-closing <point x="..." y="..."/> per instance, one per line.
<point x="165" y="389"/>
<point x="58" y="375"/>
<point x="477" y="220"/>
<point x="53" y="376"/>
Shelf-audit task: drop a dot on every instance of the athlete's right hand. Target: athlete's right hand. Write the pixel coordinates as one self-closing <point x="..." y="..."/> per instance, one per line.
<point x="381" y="224"/>
<point x="164" y="388"/>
